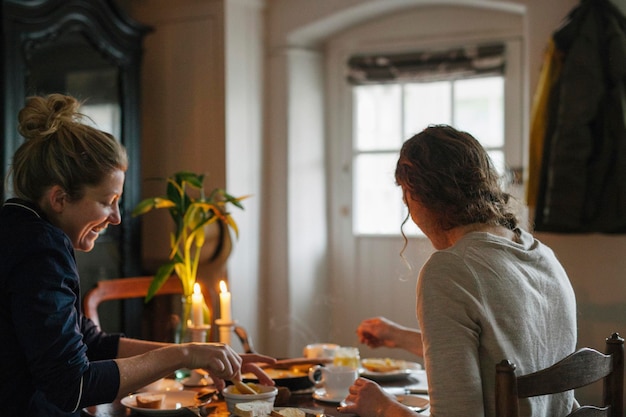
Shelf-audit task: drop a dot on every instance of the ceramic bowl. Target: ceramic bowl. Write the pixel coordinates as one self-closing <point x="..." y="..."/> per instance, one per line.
<point x="232" y="396"/>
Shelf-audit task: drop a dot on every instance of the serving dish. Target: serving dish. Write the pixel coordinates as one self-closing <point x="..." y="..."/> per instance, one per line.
<point x="295" y="378"/>
<point x="233" y="396"/>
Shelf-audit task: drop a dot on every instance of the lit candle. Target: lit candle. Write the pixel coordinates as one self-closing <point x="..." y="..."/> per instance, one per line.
<point x="225" y="310"/>
<point x="197" y="305"/>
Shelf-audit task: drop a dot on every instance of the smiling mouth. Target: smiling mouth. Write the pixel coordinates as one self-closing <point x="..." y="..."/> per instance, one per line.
<point x="99" y="229"/>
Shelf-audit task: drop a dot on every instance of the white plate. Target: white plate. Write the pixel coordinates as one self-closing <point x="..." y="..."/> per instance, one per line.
<point x="409" y="368"/>
<point x="162" y="385"/>
<point x="414" y="402"/>
<point x="321" y="395"/>
<point x="174" y="403"/>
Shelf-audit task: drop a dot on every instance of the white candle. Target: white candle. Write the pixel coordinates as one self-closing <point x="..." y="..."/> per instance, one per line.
<point x="197" y="306"/>
<point x="225" y="309"/>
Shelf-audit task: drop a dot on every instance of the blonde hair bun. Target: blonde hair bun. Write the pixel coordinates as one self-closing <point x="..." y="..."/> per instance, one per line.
<point x="43" y="116"/>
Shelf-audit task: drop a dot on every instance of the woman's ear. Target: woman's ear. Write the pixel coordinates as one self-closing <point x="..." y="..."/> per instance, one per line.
<point x="56" y="197"/>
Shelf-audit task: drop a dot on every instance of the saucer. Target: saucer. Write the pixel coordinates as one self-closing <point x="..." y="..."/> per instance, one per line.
<point x="321" y="395"/>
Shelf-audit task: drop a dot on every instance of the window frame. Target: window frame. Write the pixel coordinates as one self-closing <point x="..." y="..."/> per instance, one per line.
<point x="513" y="131"/>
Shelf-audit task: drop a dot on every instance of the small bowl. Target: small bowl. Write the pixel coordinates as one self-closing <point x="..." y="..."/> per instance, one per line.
<point x="268" y="393"/>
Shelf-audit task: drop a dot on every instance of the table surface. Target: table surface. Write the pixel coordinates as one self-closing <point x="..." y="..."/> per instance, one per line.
<point x="416" y="382"/>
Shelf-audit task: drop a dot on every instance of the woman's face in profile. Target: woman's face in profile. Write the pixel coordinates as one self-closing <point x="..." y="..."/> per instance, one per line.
<point x="83" y="220"/>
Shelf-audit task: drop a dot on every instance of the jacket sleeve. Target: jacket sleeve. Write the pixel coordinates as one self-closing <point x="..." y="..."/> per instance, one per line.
<point x="46" y="312"/>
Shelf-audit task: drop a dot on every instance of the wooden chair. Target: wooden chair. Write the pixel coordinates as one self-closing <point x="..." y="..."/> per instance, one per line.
<point x="124" y="288"/>
<point x="579" y="369"/>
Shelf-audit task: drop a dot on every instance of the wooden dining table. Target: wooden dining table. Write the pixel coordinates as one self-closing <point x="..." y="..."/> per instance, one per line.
<point x="415" y="383"/>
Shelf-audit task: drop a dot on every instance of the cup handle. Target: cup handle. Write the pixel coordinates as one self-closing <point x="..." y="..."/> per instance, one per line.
<point x="316" y="375"/>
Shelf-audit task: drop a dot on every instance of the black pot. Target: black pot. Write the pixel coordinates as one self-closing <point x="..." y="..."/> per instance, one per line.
<point x="294" y="379"/>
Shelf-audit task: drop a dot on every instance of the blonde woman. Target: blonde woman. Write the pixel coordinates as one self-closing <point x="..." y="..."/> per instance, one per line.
<point x="69" y="178"/>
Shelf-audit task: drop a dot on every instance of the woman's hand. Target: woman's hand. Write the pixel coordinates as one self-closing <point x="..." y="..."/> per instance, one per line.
<point x="219" y="360"/>
<point x="367" y="399"/>
<point x="224" y="364"/>
<point x="378" y="331"/>
<point x="250" y="361"/>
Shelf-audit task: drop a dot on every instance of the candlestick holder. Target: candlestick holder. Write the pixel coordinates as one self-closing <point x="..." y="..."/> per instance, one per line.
<point x="226" y="329"/>
<point x="198" y="333"/>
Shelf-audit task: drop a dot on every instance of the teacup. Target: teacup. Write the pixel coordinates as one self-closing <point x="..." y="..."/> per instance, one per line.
<point x="336" y="380"/>
<point x="320" y="350"/>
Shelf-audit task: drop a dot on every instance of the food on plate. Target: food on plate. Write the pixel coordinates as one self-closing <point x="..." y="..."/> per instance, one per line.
<point x="255" y="388"/>
<point x="383" y="364"/>
<point x="253" y="409"/>
<point x="149" y="400"/>
<point x="291" y="412"/>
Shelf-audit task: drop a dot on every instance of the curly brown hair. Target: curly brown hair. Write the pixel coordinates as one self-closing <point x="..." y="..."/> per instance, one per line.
<point x="61" y="149"/>
<point x="451" y="174"/>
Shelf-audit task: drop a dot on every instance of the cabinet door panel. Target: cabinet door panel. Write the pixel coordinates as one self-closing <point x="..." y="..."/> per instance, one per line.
<point x="91" y="50"/>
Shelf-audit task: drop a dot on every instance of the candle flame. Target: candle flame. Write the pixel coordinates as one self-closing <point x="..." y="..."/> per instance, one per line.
<point x="223" y="287"/>
<point x="196" y="288"/>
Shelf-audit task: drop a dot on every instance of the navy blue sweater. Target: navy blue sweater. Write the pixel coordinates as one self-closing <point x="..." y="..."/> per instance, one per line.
<point x="53" y="360"/>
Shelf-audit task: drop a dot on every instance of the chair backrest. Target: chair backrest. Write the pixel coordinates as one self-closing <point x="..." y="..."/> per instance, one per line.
<point x="124" y="288"/>
<point x="581" y="368"/>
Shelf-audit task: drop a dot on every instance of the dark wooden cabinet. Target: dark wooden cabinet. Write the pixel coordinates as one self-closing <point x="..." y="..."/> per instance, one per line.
<point x="91" y="50"/>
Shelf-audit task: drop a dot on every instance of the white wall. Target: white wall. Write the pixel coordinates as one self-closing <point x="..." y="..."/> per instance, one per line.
<point x="244" y="134"/>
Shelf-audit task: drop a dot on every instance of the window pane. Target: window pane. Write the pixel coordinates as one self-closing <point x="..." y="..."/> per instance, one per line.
<point x="377" y="199"/>
<point x="426" y="104"/>
<point x="497" y="157"/>
<point x="377" y="118"/>
<point x="479" y="109"/>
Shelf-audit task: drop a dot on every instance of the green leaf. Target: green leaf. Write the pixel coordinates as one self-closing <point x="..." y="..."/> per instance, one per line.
<point x="159" y="279"/>
<point x="143" y="207"/>
<point x="195" y="180"/>
<point x="160" y="202"/>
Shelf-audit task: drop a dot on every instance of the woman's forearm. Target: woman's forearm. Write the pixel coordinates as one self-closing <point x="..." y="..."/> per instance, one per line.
<point x="142" y="369"/>
<point x="410" y="340"/>
<point x="221" y="361"/>
<point x="132" y="347"/>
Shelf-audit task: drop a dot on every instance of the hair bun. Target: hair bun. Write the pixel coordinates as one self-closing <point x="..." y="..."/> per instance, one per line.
<point x="43" y="116"/>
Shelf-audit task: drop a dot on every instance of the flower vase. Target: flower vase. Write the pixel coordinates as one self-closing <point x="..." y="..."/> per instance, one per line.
<point x="182" y="330"/>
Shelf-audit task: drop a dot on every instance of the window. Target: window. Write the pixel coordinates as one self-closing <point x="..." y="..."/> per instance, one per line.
<point x="389" y="110"/>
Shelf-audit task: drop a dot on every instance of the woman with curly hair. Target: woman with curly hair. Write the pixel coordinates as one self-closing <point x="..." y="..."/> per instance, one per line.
<point x="68" y="178"/>
<point x="490" y="291"/>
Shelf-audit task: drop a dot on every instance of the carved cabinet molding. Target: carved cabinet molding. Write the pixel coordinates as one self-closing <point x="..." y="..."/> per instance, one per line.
<point x="92" y="50"/>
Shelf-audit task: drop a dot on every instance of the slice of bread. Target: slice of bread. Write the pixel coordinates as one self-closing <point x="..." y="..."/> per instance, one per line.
<point x="291" y="412"/>
<point x="149" y="400"/>
<point x="253" y="409"/>
<point x="383" y="364"/>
